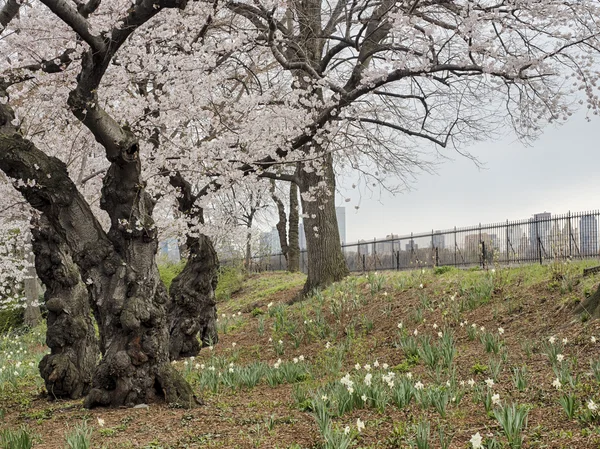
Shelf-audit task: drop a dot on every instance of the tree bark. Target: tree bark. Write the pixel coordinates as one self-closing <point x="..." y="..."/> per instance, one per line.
<point x="67" y="370"/>
<point x="193" y="309"/>
<point x="294" y="239"/>
<point x="326" y="262"/>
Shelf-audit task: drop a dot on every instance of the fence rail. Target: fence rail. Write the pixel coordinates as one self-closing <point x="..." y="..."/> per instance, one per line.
<point x="534" y="240"/>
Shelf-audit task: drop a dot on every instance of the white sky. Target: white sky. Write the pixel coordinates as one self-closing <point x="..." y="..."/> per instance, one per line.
<point x="557" y="174"/>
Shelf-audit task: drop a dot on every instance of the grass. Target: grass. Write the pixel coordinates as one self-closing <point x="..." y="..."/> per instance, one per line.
<point x="347" y="375"/>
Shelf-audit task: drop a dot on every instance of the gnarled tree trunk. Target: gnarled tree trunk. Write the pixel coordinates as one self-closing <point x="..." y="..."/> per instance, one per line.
<point x="133" y="317"/>
<point x="326" y="263"/>
<point x="128" y="297"/>
<point x="193" y="312"/>
<point x="67" y="370"/>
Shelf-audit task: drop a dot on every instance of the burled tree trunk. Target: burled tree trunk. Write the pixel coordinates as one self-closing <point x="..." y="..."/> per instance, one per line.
<point x="193" y="312"/>
<point x="293" y="257"/>
<point x="135" y="367"/>
<point x="67" y="370"/>
<point x="326" y="263"/>
<point x="128" y="297"/>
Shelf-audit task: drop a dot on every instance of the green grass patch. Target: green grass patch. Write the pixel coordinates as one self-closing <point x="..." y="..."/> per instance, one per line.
<point x="231" y="280"/>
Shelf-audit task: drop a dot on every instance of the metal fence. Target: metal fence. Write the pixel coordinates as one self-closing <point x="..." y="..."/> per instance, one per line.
<point x="534" y="240"/>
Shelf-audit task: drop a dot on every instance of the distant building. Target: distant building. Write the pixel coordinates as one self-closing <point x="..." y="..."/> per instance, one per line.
<point x="169" y="248"/>
<point x="387" y="245"/>
<point x="275" y="243"/>
<point x="340" y="213"/>
<point x="269" y="241"/>
<point x="588" y="235"/>
<point x="411" y="245"/>
<point x="438" y="240"/>
<point x="514" y="235"/>
<point x="301" y="236"/>
<point x="539" y="232"/>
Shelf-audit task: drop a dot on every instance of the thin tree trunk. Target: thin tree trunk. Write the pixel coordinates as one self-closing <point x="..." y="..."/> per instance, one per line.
<point x="281" y="223"/>
<point x="326" y="263"/>
<point x="293" y="258"/>
<point x="67" y="370"/>
<point x="248" y="256"/>
<point x="32" y="316"/>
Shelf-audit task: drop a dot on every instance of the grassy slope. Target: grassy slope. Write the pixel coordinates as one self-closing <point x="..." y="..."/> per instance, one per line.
<point x="359" y="318"/>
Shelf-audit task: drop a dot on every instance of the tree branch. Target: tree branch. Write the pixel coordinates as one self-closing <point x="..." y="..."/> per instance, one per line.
<point x="8" y="12"/>
<point x="77" y="22"/>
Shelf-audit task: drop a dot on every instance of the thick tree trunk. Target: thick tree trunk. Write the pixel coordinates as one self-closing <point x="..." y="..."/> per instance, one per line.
<point x="129" y="298"/>
<point x="32" y="316"/>
<point x="293" y="258"/>
<point x="193" y="312"/>
<point x="133" y="317"/>
<point x="326" y="263"/>
<point x="67" y="370"/>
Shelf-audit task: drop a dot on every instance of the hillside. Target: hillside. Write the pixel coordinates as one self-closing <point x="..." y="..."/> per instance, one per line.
<point x="444" y="353"/>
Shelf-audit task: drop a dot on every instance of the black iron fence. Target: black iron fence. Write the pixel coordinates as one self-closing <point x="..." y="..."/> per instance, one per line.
<point x="544" y="237"/>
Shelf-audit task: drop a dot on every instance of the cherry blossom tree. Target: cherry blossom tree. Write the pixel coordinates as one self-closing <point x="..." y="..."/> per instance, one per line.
<point x="129" y="300"/>
<point x="384" y="81"/>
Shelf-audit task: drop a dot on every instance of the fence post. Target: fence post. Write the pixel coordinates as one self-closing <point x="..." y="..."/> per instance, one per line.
<point x="570" y="234"/>
<point x="483" y="254"/>
<point x="432" y="249"/>
<point x="398" y="260"/>
<point x="364" y="263"/>
<point x="392" y="249"/>
<point x="480" y="242"/>
<point x="507" y="245"/>
<point x="539" y="241"/>
<point x="375" y="253"/>
<point x="437" y="257"/>
<point x="455" y="264"/>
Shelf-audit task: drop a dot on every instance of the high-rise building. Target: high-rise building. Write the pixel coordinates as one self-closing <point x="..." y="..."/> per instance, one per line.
<point x="539" y="232"/>
<point x="301" y="236"/>
<point x="438" y="240"/>
<point x="274" y="240"/>
<point x="340" y="213"/>
<point x="169" y="248"/>
<point x="411" y="246"/>
<point x="588" y="235"/>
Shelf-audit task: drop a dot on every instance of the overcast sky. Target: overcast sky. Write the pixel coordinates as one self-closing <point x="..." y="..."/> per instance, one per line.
<point x="558" y="173"/>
